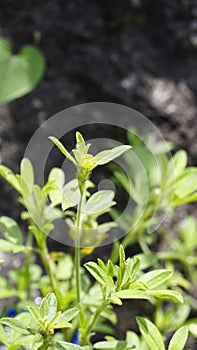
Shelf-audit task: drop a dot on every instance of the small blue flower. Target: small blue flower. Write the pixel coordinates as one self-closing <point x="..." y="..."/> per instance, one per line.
<point x="11" y="312"/>
<point x="76" y="338"/>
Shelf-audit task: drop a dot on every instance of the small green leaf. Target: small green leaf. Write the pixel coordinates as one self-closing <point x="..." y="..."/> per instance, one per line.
<point x="107" y="156"/>
<point x="132" y="294"/>
<point x="27" y="177"/>
<point x="52" y="302"/>
<point x="96" y="272"/>
<point x="62" y="149"/>
<point x="67" y="346"/>
<point x="151" y="334"/>
<point x="57" y="177"/>
<point x="9" y="176"/>
<point x="63" y="320"/>
<point x="187" y="183"/>
<point x="80" y="143"/>
<point x="155" y="278"/>
<point x="179" y="162"/>
<point x="99" y="202"/>
<point x="11" y="247"/>
<point x="48" y="307"/>
<point x="112" y="345"/>
<point x="16" y="325"/>
<point x="36" y="315"/>
<point x="166" y="294"/>
<point x="179" y="339"/>
<point x="71" y="194"/>
<point x="115" y="300"/>
<point x="3" y="336"/>
<point x="11" y="230"/>
<point x="37" y="342"/>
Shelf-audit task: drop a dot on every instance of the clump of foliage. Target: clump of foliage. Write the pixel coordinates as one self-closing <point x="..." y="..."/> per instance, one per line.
<point x="73" y="307"/>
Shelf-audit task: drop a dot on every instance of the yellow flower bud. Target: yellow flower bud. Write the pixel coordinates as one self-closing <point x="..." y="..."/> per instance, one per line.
<point x="87" y="161"/>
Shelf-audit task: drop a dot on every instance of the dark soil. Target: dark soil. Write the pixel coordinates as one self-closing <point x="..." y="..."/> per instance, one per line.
<point x="139" y="53"/>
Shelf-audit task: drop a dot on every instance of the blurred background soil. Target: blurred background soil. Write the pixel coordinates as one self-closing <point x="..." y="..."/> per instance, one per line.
<point x="139" y="53"/>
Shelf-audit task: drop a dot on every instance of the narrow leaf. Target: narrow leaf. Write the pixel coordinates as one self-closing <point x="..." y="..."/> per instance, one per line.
<point x="96" y="272"/>
<point x="155" y="278"/>
<point x="99" y="202"/>
<point x="62" y="149"/>
<point x="132" y="294"/>
<point x="27" y="177"/>
<point x="151" y="334"/>
<point x="107" y="156"/>
<point x="166" y="294"/>
<point x="179" y="339"/>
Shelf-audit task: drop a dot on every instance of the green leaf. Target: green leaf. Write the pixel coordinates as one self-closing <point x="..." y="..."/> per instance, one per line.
<point x="10" y="177"/>
<point x="16" y="325"/>
<point x="27" y="177"/>
<point x="48" y="307"/>
<point x="166" y="294"/>
<point x="187" y="183"/>
<point x="132" y="294"/>
<point x="57" y="177"/>
<point x="11" y="247"/>
<point x="80" y="144"/>
<point x="151" y="334"/>
<point x="11" y="230"/>
<point x="20" y="73"/>
<point x="36" y="315"/>
<point x="67" y="346"/>
<point x="65" y="317"/>
<point x="52" y="303"/>
<point x="179" y="162"/>
<point x="99" y="202"/>
<point x="107" y="156"/>
<point x="37" y="342"/>
<point x="179" y="339"/>
<point x="115" y="300"/>
<point x="112" y="345"/>
<point x="71" y="194"/>
<point x="62" y="149"/>
<point x="3" y="336"/>
<point x="155" y="278"/>
<point x="96" y="272"/>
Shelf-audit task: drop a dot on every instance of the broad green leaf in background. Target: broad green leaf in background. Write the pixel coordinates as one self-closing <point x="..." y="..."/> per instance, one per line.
<point x="20" y="73"/>
<point x="179" y="339"/>
<point x="11" y="230"/>
<point x="151" y="334"/>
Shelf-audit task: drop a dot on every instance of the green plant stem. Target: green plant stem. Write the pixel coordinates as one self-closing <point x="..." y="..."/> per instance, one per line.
<point x="48" y="268"/>
<point x="77" y="250"/>
<point x="27" y="265"/>
<point x="78" y="259"/>
<point x="95" y="318"/>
